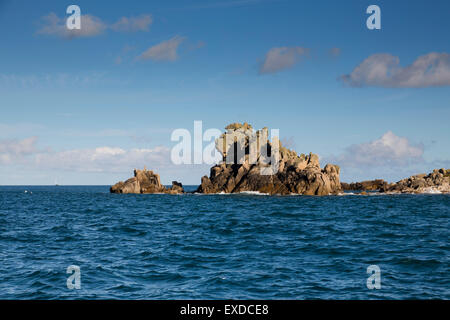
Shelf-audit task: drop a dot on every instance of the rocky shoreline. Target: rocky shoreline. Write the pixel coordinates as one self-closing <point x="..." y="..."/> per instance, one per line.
<point x="437" y="181"/>
<point x="368" y="185"/>
<point x="294" y="174"/>
<point x="146" y="181"/>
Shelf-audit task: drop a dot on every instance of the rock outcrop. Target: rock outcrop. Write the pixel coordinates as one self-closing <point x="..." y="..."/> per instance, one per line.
<point x="146" y="181"/>
<point x="241" y="170"/>
<point x="369" y="185"/>
<point x="437" y="181"/>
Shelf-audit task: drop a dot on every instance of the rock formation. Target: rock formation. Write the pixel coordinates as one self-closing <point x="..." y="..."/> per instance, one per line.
<point x="146" y="181"/>
<point x="369" y="185"/>
<point x="241" y="170"/>
<point x="251" y="162"/>
<point x="437" y="181"/>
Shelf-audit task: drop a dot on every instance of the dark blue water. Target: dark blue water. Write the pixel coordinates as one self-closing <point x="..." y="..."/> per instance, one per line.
<point x="221" y="246"/>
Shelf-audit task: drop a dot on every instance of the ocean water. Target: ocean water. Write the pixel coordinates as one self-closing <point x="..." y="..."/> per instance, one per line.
<point x="242" y="246"/>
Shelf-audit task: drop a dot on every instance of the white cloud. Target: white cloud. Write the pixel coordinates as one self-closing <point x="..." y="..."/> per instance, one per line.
<point x="389" y="150"/>
<point x="164" y="51"/>
<point x="281" y="58"/>
<point x="87" y="165"/>
<point x="92" y="26"/>
<point x="383" y="70"/>
<point x="103" y="159"/>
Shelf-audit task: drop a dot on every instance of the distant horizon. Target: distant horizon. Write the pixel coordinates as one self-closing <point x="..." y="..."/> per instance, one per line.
<point x="165" y="184"/>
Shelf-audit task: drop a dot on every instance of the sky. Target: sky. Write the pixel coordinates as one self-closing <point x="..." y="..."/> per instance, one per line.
<point x="86" y="107"/>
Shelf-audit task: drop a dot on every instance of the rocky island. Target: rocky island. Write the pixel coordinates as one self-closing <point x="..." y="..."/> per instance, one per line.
<point x="295" y="174"/>
<point x="437" y="181"/>
<point x="146" y="181"/>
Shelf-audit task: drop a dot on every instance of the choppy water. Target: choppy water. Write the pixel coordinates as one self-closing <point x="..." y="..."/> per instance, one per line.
<point x="221" y="246"/>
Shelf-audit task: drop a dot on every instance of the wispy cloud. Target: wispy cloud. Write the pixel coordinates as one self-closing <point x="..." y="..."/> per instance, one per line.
<point x="45" y="163"/>
<point x="334" y="52"/>
<point x="281" y="58"/>
<point x="92" y="26"/>
<point x="54" y="26"/>
<point x="383" y="70"/>
<point x="13" y="151"/>
<point x="133" y="24"/>
<point x="104" y="159"/>
<point x="125" y="54"/>
<point x="164" y="51"/>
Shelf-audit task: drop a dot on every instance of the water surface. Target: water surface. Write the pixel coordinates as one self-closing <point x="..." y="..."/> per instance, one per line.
<point x="221" y="246"/>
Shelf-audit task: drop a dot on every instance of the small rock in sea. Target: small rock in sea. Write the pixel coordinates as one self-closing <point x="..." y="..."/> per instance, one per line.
<point x="146" y="181"/>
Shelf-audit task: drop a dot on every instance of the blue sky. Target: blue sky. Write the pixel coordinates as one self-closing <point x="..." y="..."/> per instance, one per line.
<point x="71" y="106"/>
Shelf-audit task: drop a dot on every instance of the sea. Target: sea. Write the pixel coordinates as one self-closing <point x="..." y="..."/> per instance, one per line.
<point x="81" y="242"/>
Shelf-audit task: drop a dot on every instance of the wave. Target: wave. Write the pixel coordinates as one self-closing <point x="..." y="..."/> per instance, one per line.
<point x="222" y="193"/>
<point x="255" y="193"/>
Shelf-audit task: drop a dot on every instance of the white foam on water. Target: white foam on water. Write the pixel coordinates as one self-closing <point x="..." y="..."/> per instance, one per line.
<point x="431" y="190"/>
<point x="255" y="193"/>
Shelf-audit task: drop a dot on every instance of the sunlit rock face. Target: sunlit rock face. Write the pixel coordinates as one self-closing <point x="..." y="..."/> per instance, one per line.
<point x="437" y="181"/>
<point x="251" y="162"/>
<point x="146" y="181"/>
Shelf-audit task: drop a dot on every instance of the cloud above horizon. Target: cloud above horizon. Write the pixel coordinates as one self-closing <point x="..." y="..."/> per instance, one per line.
<point x="384" y="70"/>
<point x="388" y="156"/>
<point x="101" y="159"/>
<point x="281" y="58"/>
<point x="104" y="159"/>
<point x="92" y="26"/>
<point x="14" y="150"/>
<point x="389" y="150"/>
<point x="164" y="51"/>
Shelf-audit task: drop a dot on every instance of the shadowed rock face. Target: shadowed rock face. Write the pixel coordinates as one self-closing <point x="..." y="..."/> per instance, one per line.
<point x="436" y="181"/>
<point x="145" y="181"/>
<point x="369" y="185"/>
<point x="297" y="174"/>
